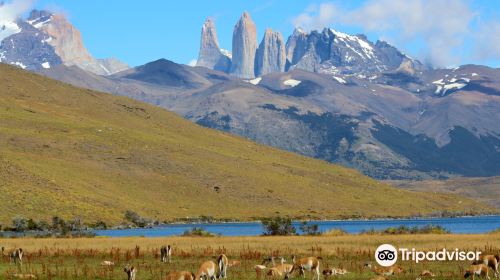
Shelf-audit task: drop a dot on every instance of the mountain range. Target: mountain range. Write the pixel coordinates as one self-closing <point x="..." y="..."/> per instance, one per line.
<point x="327" y="95"/>
<point x="73" y="152"/>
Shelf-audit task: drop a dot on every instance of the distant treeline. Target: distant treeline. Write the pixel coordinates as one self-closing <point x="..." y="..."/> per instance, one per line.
<point x="57" y="227"/>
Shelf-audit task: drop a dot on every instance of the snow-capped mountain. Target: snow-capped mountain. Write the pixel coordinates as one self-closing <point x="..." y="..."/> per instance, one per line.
<point x="329" y="51"/>
<point x="45" y="40"/>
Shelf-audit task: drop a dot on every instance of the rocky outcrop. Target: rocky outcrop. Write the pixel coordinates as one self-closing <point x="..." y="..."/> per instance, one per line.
<point x="270" y="56"/>
<point x="68" y="44"/>
<point x="45" y="40"/>
<point x="28" y="49"/>
<point x="334" y="52"/>
<point x="211" y="56"/>
<point x="65" y="38"/>
<point x="244" y="47"/>
<point x="296" y="46"/>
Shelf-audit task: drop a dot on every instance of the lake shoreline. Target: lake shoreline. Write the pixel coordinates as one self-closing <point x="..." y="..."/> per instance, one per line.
<point x="464" y="224"/>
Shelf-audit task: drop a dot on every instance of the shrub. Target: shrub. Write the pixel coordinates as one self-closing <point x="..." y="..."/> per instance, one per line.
<point x="20" y="224"/>
<point x="99" y="225"/>
<point x="310" y="229"/>
<point x="278" y="226"/>
<point x="496" y="231"/>
<point x="334" y="232"/>
<point x="198" y="232"/>
<point x="136" y="219"/>
<point x="428" y="229"/>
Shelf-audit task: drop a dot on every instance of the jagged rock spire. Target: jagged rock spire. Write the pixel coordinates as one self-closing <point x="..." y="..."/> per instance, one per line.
<point x="270" y="55"/>
<point x="210" y="55"/>
<point x="244" y="47"/>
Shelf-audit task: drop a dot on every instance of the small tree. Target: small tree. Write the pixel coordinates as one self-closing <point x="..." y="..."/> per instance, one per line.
<point x="136" y="219"/>
<point x="20" y="224"/>
<point x="310" y="229"/>
<point x="99" y="225"/>
<point x="278" y="226"/>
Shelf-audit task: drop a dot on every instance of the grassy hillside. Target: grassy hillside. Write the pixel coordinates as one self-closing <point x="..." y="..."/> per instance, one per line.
<point x="73" y="152"/>
<point x="485" y="189"/>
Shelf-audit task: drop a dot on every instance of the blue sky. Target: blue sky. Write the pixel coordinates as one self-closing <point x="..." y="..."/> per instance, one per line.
<point x="442" y="32"/>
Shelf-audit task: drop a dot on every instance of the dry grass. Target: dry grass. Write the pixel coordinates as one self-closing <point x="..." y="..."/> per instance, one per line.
<point x="81" y="258"/>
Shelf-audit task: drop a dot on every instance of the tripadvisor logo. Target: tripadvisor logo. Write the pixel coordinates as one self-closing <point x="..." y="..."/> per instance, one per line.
<point x="387" y="255"/>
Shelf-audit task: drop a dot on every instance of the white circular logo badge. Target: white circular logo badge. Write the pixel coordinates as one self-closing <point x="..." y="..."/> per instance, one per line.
<point x="386" y="255"/>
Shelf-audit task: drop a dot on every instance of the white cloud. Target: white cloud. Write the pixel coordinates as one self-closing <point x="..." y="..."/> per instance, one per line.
<point x="11" y="11"/>
<point x="316" y="17"/>
<point x="441" y="26"/>
<point x="488" y="41"/>
<point x="192" y="62"/>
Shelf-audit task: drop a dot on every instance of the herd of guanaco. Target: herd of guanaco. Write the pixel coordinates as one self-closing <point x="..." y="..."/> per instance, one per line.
<point x="269" y="268"/>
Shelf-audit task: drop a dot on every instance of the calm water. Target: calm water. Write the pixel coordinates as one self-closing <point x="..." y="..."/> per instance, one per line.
<point x="480" y="224"/>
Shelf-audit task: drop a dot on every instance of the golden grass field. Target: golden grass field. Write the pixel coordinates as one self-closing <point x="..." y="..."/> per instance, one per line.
<point x="81" y="258"/>
<point x="74" y="152"/>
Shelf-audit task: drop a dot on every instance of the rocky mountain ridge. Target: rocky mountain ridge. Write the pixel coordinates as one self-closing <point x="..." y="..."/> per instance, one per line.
<point x="45" y="40"/>
<point x="329" y="51"/>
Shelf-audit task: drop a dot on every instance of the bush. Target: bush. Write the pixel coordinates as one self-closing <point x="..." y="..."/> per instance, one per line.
<point x="496" y="231"/>
<point x="278" y="226"/>
<point x="428" y="229"/>
<point x="310" y="229"/>
<point x="136" y="219"/>
<point x="20" y="224"/>
<point x="198" y="232"/>
<point x="99" y="225"/>
<point x="335" y="232"/>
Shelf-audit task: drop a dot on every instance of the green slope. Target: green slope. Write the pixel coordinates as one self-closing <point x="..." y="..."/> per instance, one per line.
<point x="73" y="152"/>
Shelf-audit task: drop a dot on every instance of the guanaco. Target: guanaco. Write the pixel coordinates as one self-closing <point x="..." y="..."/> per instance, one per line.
<point x="107" y="263"/>
<point x="378" y="277"/>
<point x="131" y="272"/>
<point x="283" y="268"/>
<point x="165" y="254"/>
<point x="222" y="263"/>
<point x="306" y="264"/>
<point x="427" y="273"/>
<point x="233" y="263"/>
<point x="480" y="270"/>
<point x="24" y="276"/>
<point x="182" y="275"/>
<point x="206" y="271"/>
<point x="334" y="271"/>
<point x="491" y="261"/>
<point x="261" y="268"/>
<point x="386" y="271"/>
<point x="16" y="256"/>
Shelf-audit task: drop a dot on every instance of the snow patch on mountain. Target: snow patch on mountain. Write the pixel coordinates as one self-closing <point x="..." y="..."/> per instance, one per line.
<point x="19" y="64"/>
<point x="340" y="80"/>
<point x="443" y="86"/>
<point x="292" y="82"/>
<point x="255" y="81"/>
<point x="8" y="28"/>
<point x="227" y="53"/>
<point x="348" y="39"/>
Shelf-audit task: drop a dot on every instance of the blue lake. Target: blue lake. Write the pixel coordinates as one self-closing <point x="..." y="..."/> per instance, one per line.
<point x="481" y="224"/>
